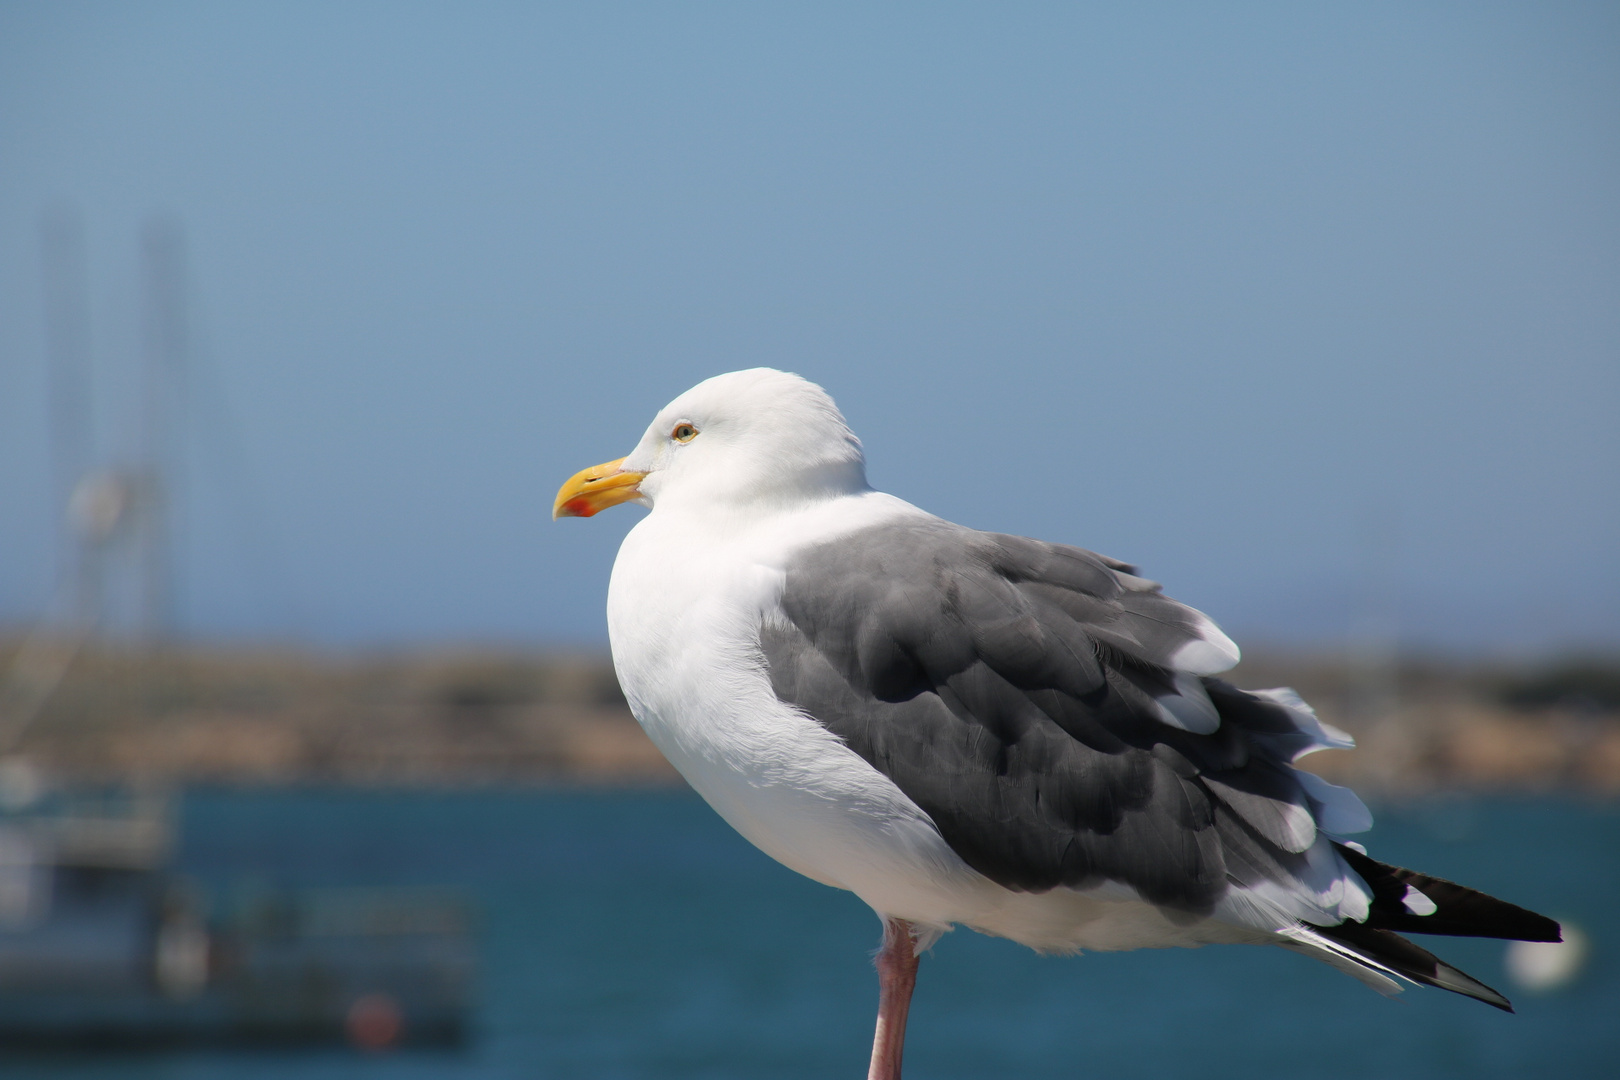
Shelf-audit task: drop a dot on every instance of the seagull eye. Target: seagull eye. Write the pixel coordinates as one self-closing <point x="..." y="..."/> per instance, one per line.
<point x="683" y="433"/>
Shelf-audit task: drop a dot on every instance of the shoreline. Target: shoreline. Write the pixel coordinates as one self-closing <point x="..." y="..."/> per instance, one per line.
<point x="482" y="717"/>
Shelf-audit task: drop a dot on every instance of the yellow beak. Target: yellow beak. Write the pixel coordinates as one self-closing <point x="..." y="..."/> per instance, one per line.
<point x="595" y="489"/>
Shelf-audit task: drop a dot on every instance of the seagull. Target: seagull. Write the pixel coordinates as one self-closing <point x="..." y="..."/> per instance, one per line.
<point x="968" y="728"/>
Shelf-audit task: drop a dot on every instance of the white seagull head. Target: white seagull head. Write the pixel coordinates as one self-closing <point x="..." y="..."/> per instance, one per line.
<point x="755" y="437"/>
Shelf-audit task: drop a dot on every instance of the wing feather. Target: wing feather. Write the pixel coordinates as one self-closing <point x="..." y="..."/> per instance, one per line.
<point x="1037" y="701"/>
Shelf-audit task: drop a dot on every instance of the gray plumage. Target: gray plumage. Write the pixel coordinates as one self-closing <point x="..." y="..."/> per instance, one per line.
<point x="1026" y="696"/>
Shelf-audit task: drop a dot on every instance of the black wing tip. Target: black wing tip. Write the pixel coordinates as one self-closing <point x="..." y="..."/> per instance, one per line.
<point x="1556" y="935"/>
<point x="1458" y="910"/>
<point x="1460" y="982"/>
<point x="1392" y="952"/>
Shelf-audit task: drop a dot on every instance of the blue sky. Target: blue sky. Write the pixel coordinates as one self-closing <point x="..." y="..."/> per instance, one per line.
<point x="1286" y="303"/>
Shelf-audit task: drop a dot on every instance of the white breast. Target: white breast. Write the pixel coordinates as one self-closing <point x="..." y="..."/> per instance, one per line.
<point x="685" y="607"/>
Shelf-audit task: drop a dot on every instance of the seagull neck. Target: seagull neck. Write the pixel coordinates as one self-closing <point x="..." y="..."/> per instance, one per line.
<point x="763" y="496"/>
<point x="800" y="514"/>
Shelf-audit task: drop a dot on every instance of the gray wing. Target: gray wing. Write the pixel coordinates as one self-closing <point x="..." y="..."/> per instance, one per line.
<point x="1052" y="713"/>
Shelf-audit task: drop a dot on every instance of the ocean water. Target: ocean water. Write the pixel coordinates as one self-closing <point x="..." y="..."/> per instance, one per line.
<point x="633" y="934"/>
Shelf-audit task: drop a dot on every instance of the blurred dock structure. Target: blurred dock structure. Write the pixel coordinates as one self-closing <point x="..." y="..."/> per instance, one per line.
<point x="101" y="944"/>
<point x="456" y="717"/>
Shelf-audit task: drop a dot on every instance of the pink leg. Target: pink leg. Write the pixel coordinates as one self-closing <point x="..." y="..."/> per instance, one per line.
<point x="897" y="977"/>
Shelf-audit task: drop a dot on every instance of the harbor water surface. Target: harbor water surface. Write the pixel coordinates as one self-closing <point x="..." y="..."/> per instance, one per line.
<point x="633" y="934"/>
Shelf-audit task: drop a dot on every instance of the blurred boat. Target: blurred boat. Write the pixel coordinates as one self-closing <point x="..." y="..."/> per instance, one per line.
<point x="101" y="943"/>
